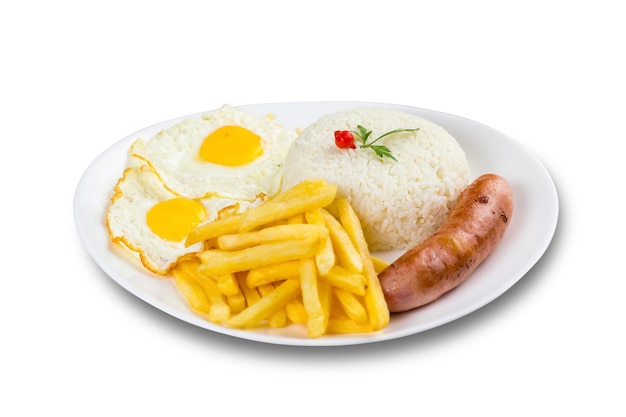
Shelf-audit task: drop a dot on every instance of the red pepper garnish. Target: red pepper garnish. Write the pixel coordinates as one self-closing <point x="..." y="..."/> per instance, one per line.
<point x="344" y="139"/>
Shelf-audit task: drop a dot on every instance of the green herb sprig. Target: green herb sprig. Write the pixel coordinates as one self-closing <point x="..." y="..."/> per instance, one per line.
<point x="381" y="150"/>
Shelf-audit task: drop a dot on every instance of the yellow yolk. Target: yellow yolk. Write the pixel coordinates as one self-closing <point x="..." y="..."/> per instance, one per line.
<point x="174" y="219"/>
<point x="231" y="146"/>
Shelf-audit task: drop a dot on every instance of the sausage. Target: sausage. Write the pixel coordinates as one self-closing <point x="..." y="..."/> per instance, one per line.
<point x="444" y="260"/>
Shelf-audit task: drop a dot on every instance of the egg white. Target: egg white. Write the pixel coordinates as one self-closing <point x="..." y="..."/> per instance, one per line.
<point x="135" y="194"/>
<point x="173" y="155"/>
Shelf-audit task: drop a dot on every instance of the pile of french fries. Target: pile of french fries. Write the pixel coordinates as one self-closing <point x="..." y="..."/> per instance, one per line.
<point x="300" y="258"/>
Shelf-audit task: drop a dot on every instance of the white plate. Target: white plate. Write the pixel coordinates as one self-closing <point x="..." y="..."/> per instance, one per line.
<point x="529" y="234"/>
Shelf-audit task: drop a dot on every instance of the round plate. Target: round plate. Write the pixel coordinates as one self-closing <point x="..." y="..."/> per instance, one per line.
<point x="529" y="234"/>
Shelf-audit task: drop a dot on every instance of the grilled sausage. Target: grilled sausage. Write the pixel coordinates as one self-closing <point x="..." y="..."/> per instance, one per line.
<point x="445" y="259"/>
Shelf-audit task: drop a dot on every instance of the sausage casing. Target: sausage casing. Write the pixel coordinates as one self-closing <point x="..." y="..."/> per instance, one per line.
<point x="444" y="260"/>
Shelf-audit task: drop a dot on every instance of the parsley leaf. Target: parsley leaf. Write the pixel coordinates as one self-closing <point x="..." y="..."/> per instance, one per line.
<point x="381" y="150"/>
<point x="363" y="134"/>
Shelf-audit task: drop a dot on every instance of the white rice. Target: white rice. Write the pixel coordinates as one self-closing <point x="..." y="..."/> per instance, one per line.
<point x="399" y="203"/>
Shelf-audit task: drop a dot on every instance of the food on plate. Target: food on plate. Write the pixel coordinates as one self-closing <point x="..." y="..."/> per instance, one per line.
<point x="149" y="219"/>
<point x="376" y="305"/>
<point x="305" y="196"/>
<point x="226" y="153"/>
<point x="442" y="262"/>
<point x="225" y="160"/>
<point x="345" y="139"/>
<point x="259" y="227"/>
<point x="401" y="200"/>
<point x="280" y="271"/>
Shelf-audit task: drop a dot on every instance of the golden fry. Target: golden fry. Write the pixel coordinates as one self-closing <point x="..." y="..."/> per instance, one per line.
<point x="346" y="325"/>
<point x="217" y="262"/>
<point x="214" y="229"/>
<point x="276" y="210"/>
<point x="316" y="325"/>
<point x="326" y="294"/>
<point x="343" y="278"/>
<point x="305" y="187"/>
<point x="288" y="260"/>
<point x="270" y="234"/>
<point x="344" y="248"/>
<point x="191" y="291"/>
<point x="267" y="305"/>
<point x="379" y="264"/>
<point x="271" y="273"/>
<point x="219" y="310"/>
<point x="236" y="302"/>
<point x="376" y="305"/>
<point x="227" y="283"/>
<point x="232" y="222"/>
<point x="251" y="294"/>
<point x="325" y="259"/>
<point x="352" y="306"/>
<point x="295" y="311"/>
<point x="296" y="219"/>
<point x="279" y="318"/>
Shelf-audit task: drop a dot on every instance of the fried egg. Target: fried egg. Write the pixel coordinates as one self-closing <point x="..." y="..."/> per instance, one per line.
<point x="154" y="222"/>
<point x="225" y="153"/>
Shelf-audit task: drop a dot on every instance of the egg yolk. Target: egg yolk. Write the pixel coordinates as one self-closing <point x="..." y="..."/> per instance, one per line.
<point x="174" y="219"/>
<point x="231" y="146"/>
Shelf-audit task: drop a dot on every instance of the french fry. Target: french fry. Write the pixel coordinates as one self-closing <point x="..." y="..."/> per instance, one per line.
<point x="219" y="310"/>
<point x="271" y="273"/>
<point x="325" y="259"/>
<point x="376" y="305"/>
<point x="288" y="260"/>
<point x="279" y="318"/>
<point x="276" y="210"/>
<point x="346" y="325"/>
<point x="379" y="264"/>
<point x="325" y="293"/>
<point x="191" y="291"/>
<point x="352" y="306"/>
<point x="311" y="299"/>
<point x="227" y="283"/>
<point x="343" y="278"/>
<point x="344" y="247"/>
<point x="232" y="222"/>
<point x="296" y="219"/>
<point x="250" y="294"/>
<point x="217" y="262"/>
<point x="214" y="229"/>
<point x="271" y="303"/>
<point x="238" y="241"/>
<point x="236" y="302"/>
<point x="305" y="187"/>
<point x="295" y="311"/>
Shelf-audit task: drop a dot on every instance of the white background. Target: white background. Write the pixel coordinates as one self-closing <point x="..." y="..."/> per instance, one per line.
<point x="76" y="77"/>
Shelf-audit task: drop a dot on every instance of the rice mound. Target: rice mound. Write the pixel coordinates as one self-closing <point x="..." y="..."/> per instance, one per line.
<point x="399" y="203"/>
